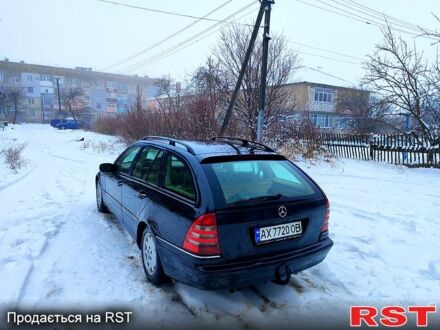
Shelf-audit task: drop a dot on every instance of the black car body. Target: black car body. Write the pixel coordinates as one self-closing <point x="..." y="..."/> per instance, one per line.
<point x="208" y="211"/>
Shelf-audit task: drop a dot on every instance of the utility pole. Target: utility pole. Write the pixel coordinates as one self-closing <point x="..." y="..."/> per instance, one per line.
<point x="59" y="97"/>
<point x="243" y="69"/>
<point x="265" y="9"/>
<point x="266" y="38"/>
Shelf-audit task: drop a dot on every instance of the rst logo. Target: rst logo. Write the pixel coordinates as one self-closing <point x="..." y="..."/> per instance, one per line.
<point x="389" y="316"/>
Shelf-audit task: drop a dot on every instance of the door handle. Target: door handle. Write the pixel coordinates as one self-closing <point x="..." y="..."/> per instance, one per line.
<point x="120" y="182"/>
<point x="142" y="195"/>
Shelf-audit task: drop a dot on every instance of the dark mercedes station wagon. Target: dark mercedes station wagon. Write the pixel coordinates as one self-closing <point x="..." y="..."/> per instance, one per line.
<point x="224" y="213"/>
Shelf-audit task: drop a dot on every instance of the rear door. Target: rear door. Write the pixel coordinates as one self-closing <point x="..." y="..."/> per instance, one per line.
<point x="264" y="207"/>
<point x="173" y="207"/>
<point x="138" y="189"/>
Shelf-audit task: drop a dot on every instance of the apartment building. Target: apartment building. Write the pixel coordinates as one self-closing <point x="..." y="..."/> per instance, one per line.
<point x="102" y="93"/>
<point x="328" y="107"/>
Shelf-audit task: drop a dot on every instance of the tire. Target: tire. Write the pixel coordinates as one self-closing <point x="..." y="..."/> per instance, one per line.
<point x="99" y="201"/>
<point x="151" y="260"/>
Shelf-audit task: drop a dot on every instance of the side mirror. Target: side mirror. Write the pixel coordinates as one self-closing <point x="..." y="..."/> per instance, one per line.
<point x="108" y="167"/>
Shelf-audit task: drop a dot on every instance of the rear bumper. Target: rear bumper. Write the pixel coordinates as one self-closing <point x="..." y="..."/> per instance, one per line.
<point x="216" y="273"/>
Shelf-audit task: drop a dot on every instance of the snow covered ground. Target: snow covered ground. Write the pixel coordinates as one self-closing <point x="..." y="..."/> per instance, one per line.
<point x="56" y="250"/>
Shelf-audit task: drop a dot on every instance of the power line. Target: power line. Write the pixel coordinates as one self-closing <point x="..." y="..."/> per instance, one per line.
<point x="171" y="49"/>
<point x="329" y="58"/>
<point x="381" y="16"/>
<point x="359" y="18"/>
<point x="371" y="21"/>
<point x="389" y="17"/>
<point x="325" y="50"/>
<point x="159" y="11"/>
<point x="328" y="74"/>
<point x="195" y="41"/>
<point x="165" y="39"/>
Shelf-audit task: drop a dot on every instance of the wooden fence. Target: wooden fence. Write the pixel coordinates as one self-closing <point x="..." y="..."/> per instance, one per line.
<point x="404" y="149"/>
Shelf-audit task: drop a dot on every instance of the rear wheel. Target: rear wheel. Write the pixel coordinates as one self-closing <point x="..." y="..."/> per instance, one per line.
<point x="151" y="260"/>
<point x="99" y="201"/>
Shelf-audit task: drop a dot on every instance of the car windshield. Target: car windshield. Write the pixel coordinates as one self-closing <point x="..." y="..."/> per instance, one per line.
<point x="258" y="180"/>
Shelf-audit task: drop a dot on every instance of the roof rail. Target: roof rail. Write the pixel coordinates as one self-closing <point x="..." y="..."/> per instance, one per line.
<point x="245" y="143"/>
<point x="171" y="142"/>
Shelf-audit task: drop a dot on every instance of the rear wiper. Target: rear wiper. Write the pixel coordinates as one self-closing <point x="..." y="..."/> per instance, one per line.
<point x="257" y="199"/>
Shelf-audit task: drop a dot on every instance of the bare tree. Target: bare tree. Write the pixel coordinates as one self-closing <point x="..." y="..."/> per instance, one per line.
<point x="210" y="87"/>
<point x="168" y="104"/>
<point x="404" y="81"/>
<point x="4" y="102"/>
<point x="364" y="114"/>
<point x="435" y="35"/>
<point x="71" y="99"/>
<point x="10" y="98"/>
<point x="282" y="63"/>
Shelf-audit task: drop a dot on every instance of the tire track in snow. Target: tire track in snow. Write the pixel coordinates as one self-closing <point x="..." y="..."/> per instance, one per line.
<point x="23" y="176"/>
<point x="45" y="226"/>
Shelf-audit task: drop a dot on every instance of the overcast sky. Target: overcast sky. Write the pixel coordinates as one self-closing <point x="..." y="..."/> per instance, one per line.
<point x="91" y="33"/>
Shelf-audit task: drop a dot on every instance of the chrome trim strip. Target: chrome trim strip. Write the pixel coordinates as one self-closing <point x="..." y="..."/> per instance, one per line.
<point x="182" y="250"/>
<point x="161" y="190"/>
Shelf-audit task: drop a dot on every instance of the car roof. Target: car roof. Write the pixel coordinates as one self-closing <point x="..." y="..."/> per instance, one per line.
<point x="206" y="150"/>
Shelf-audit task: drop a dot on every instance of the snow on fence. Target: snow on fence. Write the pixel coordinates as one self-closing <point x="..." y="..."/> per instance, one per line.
<point x="405" y="149"/>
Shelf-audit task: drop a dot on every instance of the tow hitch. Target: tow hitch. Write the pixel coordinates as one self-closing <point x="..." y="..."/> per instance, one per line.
<point x="278" y="279"/>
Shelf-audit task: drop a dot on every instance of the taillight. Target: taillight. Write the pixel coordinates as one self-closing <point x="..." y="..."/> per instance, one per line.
<point x="202" y="238"/>
<point x="324" y="227"/>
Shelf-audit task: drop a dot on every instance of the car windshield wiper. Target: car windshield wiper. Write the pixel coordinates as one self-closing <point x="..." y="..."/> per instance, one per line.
<point x="257" y="199"/>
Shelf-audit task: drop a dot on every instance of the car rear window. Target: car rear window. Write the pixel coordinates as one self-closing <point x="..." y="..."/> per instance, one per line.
<point x="254" y="179"/>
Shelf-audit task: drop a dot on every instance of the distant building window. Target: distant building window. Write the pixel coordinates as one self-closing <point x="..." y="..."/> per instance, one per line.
<point x="31" y="100"/>
<point x="29" y="77"/>
<point x="1" y="76"/>
<point x="323" y="95"/>
<point x="30" y="89"/>
<point x="321" y="120"/>
<point x="44" y="77"/>
<point x="14" y="79"/>
<point x="98" y="105"/>
<point x="112" y="84"/>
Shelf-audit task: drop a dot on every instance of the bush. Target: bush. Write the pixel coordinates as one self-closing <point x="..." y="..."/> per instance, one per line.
<point x="13" y="156"/>
<point x="107" y="125"/>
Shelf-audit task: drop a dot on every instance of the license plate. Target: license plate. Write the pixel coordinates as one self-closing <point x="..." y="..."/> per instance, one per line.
<point x="285" y="230"/>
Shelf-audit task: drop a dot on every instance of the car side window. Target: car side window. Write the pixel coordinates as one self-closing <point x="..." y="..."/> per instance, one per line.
<point x="178" y="178"/>
<point x="144" y="163"/>
<point x="153" y="174"/>
<point x="124" y="163"/>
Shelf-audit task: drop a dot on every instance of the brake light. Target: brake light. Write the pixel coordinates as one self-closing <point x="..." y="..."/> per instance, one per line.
<point x="324" y="227"/>
<point x="202" y="238"/>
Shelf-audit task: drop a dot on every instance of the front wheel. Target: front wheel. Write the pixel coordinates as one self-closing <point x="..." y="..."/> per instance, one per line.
<point x="151" y="260"/>
<point x="99" y="201"/>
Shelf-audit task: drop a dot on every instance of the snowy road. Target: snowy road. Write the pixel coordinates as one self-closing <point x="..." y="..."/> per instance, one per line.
<point x="57" y="250"/>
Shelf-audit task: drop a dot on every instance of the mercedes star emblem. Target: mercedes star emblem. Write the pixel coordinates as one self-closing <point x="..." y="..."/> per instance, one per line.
<point x="282" y="211"/>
